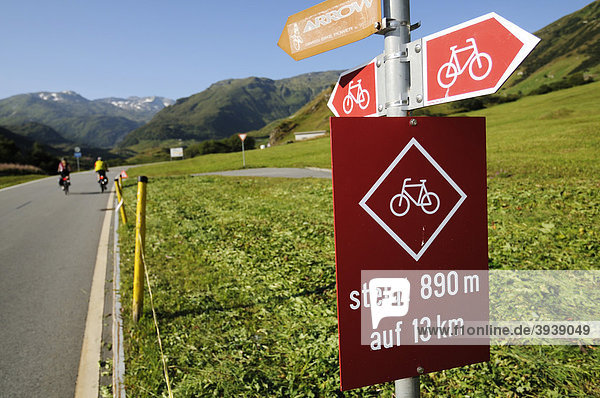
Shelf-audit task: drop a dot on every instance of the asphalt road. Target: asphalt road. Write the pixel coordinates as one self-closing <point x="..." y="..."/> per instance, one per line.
<point x="48" y="247"/>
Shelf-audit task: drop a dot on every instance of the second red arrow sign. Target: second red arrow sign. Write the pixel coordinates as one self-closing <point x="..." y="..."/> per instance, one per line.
<point x="472" y="59"/>
<point x="356" y="92"/>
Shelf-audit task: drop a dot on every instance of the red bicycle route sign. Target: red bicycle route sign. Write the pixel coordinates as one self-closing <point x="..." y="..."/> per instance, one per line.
<point x="356" y="91"/>
<point x="473" y="58"/>
<point x="409" y="206"/>
<point x="468" y="60"/>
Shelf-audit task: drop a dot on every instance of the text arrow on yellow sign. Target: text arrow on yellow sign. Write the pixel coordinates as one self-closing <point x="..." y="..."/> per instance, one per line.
<point x="328" y="25"/>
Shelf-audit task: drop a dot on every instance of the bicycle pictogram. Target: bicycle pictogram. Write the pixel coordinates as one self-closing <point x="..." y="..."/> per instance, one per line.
<point x="429" y="202"/>
<point x="361" y="98"/>
<point x="479" y="63"/>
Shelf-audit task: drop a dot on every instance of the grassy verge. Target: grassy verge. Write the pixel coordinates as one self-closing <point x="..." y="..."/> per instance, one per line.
<point x="552" y="136"/>
<point x="7" y="181"/>
<point x="243" y="279"/>
<point x="313" y="153"/>
<point x="533" y="136"/>
<point x="242" y="269"/>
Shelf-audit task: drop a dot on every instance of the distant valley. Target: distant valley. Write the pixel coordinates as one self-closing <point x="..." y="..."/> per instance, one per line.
<point x="98" y="123"/>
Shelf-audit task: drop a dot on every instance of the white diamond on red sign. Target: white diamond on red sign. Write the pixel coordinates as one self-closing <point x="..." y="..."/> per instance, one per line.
<point x="414" y="190"/>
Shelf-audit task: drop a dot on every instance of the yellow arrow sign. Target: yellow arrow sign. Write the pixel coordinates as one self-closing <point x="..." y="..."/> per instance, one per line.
<point x="328" y="25"/>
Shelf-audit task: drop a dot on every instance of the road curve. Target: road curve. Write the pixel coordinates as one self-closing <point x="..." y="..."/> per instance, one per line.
<point x="48" y="248"/>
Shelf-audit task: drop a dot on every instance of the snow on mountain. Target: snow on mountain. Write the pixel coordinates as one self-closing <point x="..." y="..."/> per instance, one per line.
<point x="100" y="123"/>
<point x="63" y="96"/>
<point x="139" y="104"/>
<point x="149" y="105"/>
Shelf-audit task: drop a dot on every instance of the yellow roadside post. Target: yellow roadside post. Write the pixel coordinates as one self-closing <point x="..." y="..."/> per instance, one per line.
<point x="140" y="239"/>
<point x="121" y="205"/>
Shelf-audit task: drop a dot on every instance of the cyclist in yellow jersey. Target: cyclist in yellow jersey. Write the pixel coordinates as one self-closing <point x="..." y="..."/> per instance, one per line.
<point x="100" y="167"/>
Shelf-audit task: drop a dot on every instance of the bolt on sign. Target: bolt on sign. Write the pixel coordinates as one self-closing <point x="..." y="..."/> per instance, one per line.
<point x="328" y="25"/>
<point x="410" y="217"/>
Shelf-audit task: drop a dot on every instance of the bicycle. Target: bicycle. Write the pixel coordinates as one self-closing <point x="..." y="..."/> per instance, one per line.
<point x="66" y="181"/>
<point x="452" y="69"/>
<point x="362" y="97"/>
<point x="429" y="202"/>
<point x="102" y="180"/>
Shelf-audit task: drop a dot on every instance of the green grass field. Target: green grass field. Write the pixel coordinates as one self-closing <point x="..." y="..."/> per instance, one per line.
<point x="243" y="276"/>
<point x="7" y="181"/>
<point x="314" y="153"/>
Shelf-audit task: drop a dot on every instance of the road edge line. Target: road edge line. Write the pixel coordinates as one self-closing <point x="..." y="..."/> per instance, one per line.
<point x="88" y="375"/>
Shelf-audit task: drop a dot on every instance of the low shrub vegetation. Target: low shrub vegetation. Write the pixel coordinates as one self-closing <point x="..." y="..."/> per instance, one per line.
<point x="18" y="169"/>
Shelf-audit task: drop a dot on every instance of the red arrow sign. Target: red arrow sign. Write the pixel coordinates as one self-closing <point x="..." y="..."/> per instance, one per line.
<point x="474" y="58"/>
<point x="355" y="93"/>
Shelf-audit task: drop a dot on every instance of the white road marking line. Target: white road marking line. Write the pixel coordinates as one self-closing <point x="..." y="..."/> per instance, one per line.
<point x="89" y="366"/>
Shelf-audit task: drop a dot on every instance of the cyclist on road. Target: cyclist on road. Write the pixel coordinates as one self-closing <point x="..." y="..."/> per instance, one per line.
<point x="100" y="167"/>
<point x="64" y="169"/>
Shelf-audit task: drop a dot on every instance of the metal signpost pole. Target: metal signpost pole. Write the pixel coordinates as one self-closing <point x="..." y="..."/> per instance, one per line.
<point x="397" y="83"/>
<point x="77" y="155"/>
<point x="397" y="68"/>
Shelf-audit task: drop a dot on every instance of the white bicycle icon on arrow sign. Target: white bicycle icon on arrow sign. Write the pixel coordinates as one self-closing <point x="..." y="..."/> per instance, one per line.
<point x="361" y="98"/>
<point x="479" y="63"/>
<point x="429" y="202"/>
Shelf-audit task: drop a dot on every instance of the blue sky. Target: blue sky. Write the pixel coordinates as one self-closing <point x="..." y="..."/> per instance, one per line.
<point x="176" y="48"/>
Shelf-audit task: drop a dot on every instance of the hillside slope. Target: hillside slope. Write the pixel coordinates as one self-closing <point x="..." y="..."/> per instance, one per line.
<point x="312" y="116"/>
<point x="569" y="50"/>
<point x="568" y="55"/>
<point x="39" y="132"/>
<point x="231" y="106"/>
<point x="565" y="140"/>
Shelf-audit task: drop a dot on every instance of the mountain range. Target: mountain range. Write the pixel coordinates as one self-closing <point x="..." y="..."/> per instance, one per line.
<point x="225" y="108"/>
<point x="231" y="106"/>
<point x="100" y="123"/>
<point x="568" y="54"/>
